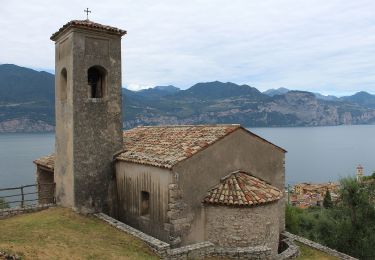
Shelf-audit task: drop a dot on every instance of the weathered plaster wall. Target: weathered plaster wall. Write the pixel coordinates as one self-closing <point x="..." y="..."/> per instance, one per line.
<point x="242" y="227"/>
<point x="64" y="123"/>
<point x="237" y="151"/>
<point x="88" y="131"/>
<point x="131" y="180"/>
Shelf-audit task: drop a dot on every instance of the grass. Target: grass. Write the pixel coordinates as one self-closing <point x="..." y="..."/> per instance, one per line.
<point x="59" y="233"/>
<point x="307" y="253"/>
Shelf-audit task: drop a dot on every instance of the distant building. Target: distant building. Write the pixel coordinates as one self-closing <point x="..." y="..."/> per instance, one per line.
<point x="307" y="194"/>
<point x="359" y="173"/>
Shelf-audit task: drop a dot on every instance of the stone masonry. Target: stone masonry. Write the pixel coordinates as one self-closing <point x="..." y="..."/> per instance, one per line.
<point x="243" y="227"/>
<point x="179" y="220"/>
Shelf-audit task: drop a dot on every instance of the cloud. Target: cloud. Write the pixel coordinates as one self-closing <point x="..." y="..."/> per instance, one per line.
<point x="314" y="45"/>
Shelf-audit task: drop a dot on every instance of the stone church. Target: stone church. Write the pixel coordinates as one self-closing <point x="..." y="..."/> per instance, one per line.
<point x="182" y="184"/>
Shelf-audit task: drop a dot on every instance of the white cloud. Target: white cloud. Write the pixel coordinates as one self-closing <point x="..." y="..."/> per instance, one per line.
<point x="315" y="45"/>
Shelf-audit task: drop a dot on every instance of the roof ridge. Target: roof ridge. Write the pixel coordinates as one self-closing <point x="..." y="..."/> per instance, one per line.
<point x="176" y="126"/>
<point x="88" y="24"/>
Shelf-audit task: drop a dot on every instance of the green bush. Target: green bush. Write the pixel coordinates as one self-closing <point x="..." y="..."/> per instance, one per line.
<point x="348" y="226"/>
<point x="3" y="204"/>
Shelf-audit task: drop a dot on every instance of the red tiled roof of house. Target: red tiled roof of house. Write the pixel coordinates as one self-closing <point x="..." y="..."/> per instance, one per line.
<point x="242" y="189"/>
<point x="88" y="25"/>
<point x="46" y="161"/>
<point x="164" y="146"/>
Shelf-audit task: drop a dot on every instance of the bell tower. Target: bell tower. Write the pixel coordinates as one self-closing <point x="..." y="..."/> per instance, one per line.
<point x="88" y="113"/>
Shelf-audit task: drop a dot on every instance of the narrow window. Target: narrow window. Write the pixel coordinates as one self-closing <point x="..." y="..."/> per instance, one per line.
<point x="63" y="84"/>
<point x="145" y="203"/>
<point x="96" y="81"/>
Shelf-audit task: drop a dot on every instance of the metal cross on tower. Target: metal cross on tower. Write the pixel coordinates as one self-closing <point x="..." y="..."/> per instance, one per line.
<point x="87" y="11"/>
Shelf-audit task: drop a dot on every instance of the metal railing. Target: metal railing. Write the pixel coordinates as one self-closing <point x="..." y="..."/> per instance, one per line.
<point x="27" y="195"/>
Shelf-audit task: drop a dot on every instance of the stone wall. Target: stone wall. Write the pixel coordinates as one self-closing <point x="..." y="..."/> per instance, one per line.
<point x="243" y="226"/>
<point x="179" y="220"/>
<point x="193" y="251"/>
<point x="46" y="186"/>
<point x="10" y="212"/>
<point x="318" y="246"/>
<point x="158" y="246"/>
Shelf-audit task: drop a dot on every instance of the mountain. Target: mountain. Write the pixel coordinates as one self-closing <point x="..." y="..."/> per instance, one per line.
<point x="327" y="98"/>
<point x="27" y="105"/>
<point x="361" y="98"/>
<point x="158" y="91"/>
<point x="219" y="90"/>
<point x="273" y="92"/>
<point x="19" y="84"/>
<point x="26" y="99"/>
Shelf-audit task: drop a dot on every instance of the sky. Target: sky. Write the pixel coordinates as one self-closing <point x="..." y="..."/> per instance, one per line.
<point x="325" y="46"/>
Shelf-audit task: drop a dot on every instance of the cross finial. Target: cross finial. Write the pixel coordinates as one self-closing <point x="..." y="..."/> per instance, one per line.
<point x="87" y="11"/>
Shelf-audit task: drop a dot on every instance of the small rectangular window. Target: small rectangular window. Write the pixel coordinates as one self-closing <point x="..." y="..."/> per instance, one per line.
<point x="145" y="203"/>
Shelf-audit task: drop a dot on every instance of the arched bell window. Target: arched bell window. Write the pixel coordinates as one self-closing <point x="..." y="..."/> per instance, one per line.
<point x="96" y="79"/>
<point x="63" y="84"/>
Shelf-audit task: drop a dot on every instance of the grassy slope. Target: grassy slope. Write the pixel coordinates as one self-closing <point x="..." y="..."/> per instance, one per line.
<point x="307" y="253"/>
<point x="62" y="234"/>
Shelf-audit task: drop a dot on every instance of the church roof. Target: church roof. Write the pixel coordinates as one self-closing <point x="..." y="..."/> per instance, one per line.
<point x="87" y="24"/>
<point x="46" y="161"/>
<point x="242" y="189"/>
<point x="164" y="146"/>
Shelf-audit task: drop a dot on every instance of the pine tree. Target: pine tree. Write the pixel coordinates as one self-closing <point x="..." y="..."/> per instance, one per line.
<point x="327" y="201"/>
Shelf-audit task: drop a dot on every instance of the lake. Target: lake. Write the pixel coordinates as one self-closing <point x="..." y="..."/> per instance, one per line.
<point x="315" y="154"/>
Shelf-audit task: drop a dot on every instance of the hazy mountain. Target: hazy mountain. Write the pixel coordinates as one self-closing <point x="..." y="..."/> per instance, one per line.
<point x="26" y="99"/>
<point x="361" y="98"/>
<point x="219" y="90"/>
<point x="27" y="104"/>
<point x="324" y="97"/>
<point x="273" y="92"/>
<point x="158" y="91"/>
<point x="19" y="84"/>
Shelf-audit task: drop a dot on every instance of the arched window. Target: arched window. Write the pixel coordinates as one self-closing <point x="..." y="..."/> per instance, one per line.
<point x="96" y="77"/>
<point x="63" y="84"/>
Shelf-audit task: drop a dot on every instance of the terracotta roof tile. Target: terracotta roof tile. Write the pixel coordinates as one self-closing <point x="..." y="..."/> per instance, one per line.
<point x="88" y="25"/>
<point x="164" y="146"/>
<point x="240" y="188"/>
<point x="46" y="161"/>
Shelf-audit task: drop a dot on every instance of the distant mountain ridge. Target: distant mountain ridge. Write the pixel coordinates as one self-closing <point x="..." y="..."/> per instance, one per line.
<point x="27" y="104"/>
<point x="273" y="92"/>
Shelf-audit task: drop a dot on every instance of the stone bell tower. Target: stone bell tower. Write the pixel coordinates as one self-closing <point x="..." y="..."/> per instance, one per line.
<point x="88" y="113"/>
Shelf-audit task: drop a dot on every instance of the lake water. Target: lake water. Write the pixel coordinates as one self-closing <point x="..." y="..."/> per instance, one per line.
<point x="315" y="154"/>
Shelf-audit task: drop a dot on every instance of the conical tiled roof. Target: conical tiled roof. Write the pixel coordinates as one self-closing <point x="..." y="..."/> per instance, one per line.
<point x="242" y="189"/>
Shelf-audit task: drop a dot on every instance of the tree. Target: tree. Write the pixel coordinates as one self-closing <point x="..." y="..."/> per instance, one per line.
<point x="347" y="226"/>
<point x="327" y="201"/>
<point x="358" y="228"/>
<point x="3" y="204"/>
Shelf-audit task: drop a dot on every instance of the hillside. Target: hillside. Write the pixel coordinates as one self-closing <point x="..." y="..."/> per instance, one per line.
<point x="26" y="99"/>
<point x="217" y="102"/>
<point x="27" y="104"/>
<point x="59" y="233"/>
